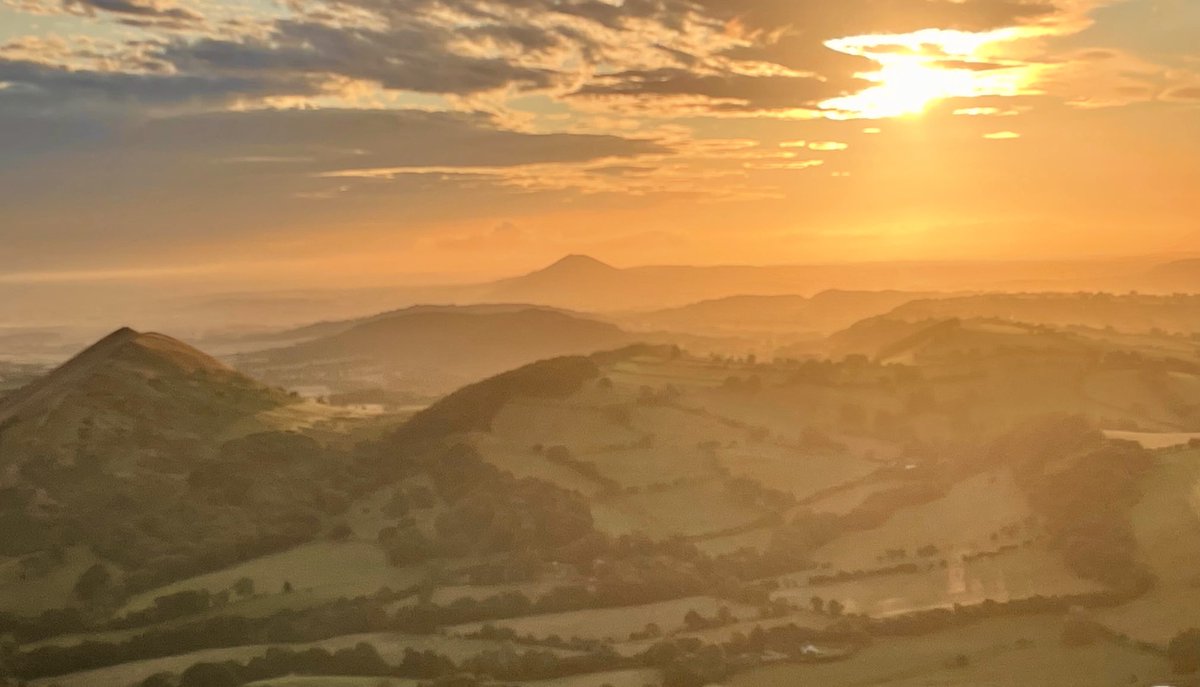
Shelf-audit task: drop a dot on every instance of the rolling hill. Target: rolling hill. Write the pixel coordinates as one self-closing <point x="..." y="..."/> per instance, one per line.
<point x="430" y="350"/>
<point x="676" y="518"/>
<point x="148" y="458"/>
<point x="1123" y="312"/>
<point x="824" y="313"/>
<point x="121" y="386"/>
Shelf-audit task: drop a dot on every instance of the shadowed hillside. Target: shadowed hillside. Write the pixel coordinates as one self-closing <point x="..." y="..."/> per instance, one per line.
<point x="431" y="351"/>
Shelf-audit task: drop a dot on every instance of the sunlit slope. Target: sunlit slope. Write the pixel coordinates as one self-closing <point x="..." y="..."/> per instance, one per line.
<point x="130" y="393"/>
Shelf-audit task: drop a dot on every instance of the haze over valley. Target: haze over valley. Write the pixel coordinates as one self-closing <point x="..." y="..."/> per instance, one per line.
<point x="599" y="343"/>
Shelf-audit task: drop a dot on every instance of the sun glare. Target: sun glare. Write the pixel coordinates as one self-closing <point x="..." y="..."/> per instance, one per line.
<point x="919" y="69"/>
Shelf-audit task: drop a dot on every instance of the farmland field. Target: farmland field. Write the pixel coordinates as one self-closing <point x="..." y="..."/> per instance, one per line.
<point x="613" y="624"/>
<point x="1025" y="651"/>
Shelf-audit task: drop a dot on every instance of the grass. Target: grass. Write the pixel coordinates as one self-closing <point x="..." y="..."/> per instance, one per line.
<point x="331" y="681"/>
<point x="526" y="422"/>
<point x="846" y="500"/>
<point x="390" y="646"/>
<point x="1167" y="525"/>
<point x="327" y="570"/>
<point x="522" y="461"/>
<point x="24" y="591"/>
<point x="1009" y="652"/>
<point x="612" y="624"/>
<point x="1014" y="575"/>
<point x="963" y="521"/>
<point x="643" y="467"/>
<point x="642" y="677"/>
<point x="757" y="539"/>
<point x="803" y="473"/>
<point x="693" y="509"/>
<point x="1155" y="440"/>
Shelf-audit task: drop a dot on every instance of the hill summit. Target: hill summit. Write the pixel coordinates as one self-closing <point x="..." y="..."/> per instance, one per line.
<point x="128" y="389"/>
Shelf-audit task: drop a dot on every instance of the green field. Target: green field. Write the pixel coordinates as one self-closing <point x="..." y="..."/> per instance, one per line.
<point x="694" y="509"/>
<point x="961" y="522"/>
<point x="1167" y="525"/>
<point x="1018" y="652"/>
<point x="390" y="646"/>
<point x="612" y="624"/>
<point x="1155" y="440"/>
<point x="32" y="585"/>
<point x="1014" y="575"/>
<point x="799" y="472"/>
<point x="327" y="570"/>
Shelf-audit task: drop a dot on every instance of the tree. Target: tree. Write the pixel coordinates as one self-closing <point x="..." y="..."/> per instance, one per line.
<point x="93" y="583"/>
<point x="1184" y="651"/>
<point x="1081" y="631"/>
<point x="159" y="680"/>
<point x="835" y="608"/>
<point x="244" y="587"/>
<point x="341" y="532"/>
<point x="209" y="675"/>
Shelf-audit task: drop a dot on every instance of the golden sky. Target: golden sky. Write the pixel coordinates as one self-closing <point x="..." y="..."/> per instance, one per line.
<point x="379" y="141"/>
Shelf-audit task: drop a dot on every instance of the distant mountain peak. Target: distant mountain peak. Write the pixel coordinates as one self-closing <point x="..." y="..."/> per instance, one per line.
<point x="577" y="262"/>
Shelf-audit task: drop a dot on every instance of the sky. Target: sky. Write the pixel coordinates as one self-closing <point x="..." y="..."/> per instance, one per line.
<point x="370" y="142"/>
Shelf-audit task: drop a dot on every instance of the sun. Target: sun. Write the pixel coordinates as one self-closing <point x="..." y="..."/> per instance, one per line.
<point x="919" y="69"/>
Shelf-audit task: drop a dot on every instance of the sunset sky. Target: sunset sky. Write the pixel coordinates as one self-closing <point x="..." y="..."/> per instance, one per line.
<point x="377" y="141"/>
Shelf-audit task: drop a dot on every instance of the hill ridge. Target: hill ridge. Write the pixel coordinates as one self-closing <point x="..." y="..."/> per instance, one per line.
<point x="78" y="369"/>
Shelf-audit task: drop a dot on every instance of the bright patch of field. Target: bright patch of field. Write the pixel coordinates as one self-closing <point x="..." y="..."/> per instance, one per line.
<point x="846" y="500"/>
<point x="642" y="467"/>
<point x="802" y="473"/>
<point x="612" y="624"/>
<point x="682" y="426"/>
<point x="302" y="415"/>
<point x="326" y="569"/>
<point x="682" y="374"/>
<point x="1019" y="574"/>
<point x="1167" y="526"/>
<point x="1006" y="652"/>
<point x="27" y="589"/>
<point x="785" y="413"/>
<point x="254" y="607"/>
<point x="1126" y="390"/>
<point x="1155" y="440"/>
<point x="962" y="521"/>
<point x="390" y="646"/>
<point x="445" y="596"/>
<point x="527" y="423"/>
<point x="644" y="677"/>
<point x="693" y="509"/>
<point x="331" y="681"/>
<point x="756" y="539"/>
<point x="522" y="461"/>
<point x="725" y="633"/>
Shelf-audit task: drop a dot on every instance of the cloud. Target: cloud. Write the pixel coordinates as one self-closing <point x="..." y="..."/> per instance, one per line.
<point x="141" y="13"/>
<point x="169" y="182"/>
<point x="1185" y="94"/>
<point x="723" y="92"/>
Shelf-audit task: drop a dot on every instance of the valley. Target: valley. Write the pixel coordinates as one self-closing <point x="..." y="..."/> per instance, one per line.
<point x="906" y="500"/>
